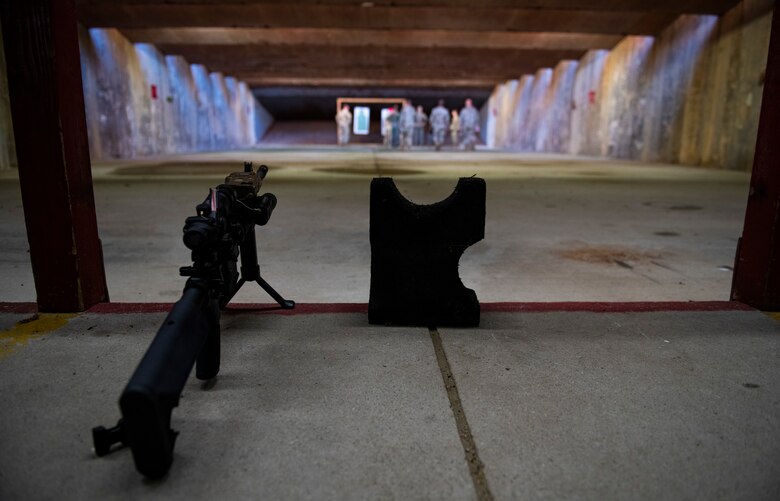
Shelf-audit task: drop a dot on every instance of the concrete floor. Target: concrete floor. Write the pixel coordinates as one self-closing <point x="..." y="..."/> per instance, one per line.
<point x="555" y="404"/>
<point x="558" y="228"/>
<point x="561" y="405"/>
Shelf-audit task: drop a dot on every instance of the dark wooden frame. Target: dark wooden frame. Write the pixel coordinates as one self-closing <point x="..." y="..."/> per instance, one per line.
<point x="757" y="265"/>
<point x="55" y="175"/>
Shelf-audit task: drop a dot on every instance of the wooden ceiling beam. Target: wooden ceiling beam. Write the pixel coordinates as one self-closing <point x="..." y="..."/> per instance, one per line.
<point x="340" y="37"/>
<point x="668" y="6"/>
<point x="277" y="77"/>
<point x="260" y="57"/>
<point x="294" y="15"/>
<point x="281" y="65"/>
<point x="265" y="80"/>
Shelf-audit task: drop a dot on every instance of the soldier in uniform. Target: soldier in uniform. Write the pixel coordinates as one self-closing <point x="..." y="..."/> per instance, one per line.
<point x="406" y="125"/>
<point x="440" y="122"/>
<point x="393" y="119"/>
<point x="420" y="121"/>
<point x="343" y="124"/>
<point x="454" y="127"/>
<point x="387" y="129"/>
<point x="469" y="126"/>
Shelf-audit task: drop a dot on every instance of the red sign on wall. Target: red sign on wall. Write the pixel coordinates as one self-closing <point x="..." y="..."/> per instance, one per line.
<point x="154" y="91"/>
<point x="592" y="97"/>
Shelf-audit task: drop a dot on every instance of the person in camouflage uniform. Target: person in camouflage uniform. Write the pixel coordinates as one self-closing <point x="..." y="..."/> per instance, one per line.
<point x="393" y="120"/>
<point x="343" y="124"/>
<point x="406" y="125"/>
<point x="440" y="122"/>
<point x="387" y="130"/>
<point x="469" y="126"/>
<point x="454" y="127"/>
<point x="420" y="121"/>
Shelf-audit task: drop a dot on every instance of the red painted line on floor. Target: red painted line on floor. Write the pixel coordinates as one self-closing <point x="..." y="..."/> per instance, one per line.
<point x="514" y="307"/>
<point x="617" y="307"/>
<point x="131" y="308"/>
<point x="300" y="308"/>
<point x="18" y="308"/>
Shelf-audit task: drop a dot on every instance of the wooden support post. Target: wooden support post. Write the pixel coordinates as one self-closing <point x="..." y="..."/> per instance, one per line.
<point x="757" y="267"/>
<point x="47" y="106"/>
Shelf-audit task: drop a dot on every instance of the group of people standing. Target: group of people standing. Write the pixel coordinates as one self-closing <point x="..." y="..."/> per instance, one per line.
<point x="408" y="126"/>
<point x="463" y="127"/>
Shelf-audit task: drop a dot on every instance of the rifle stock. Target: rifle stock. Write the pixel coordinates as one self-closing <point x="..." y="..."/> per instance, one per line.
<point x="222" y="230"/>
<point x="156" y="385"/>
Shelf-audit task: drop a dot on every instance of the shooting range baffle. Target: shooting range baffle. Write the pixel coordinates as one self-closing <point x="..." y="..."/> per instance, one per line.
<point x="415" y="251"/>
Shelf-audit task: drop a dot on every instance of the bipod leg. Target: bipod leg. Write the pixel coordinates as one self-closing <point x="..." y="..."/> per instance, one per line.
<point x="286" y="304"/>
<point x="226" y="300"/>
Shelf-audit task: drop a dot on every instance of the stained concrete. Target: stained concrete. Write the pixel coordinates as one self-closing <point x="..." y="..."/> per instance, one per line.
<point x="305" y="407"/>
<point x="561" y="405"/>
<point x="623" y="406"/>
<point x="593" y="406"/>
<point x="558" y="228"/>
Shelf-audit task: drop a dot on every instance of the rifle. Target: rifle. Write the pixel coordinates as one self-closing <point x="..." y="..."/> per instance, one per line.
<point x="222" y="230"/>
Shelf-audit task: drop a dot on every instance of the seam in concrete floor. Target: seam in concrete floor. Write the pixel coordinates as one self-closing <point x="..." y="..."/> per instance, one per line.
<point x="475" y="464"/>
<point x="39" y="325"/>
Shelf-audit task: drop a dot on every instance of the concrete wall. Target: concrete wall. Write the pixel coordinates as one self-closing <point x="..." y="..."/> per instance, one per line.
<point x="726" y="134"/>
<point x="7" y="145"/>
<point x="692" y="95"/>
<point x="194" y="110"/>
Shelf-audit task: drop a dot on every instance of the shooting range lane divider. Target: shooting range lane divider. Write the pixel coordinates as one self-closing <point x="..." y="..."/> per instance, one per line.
<point x="30" y="328"/>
